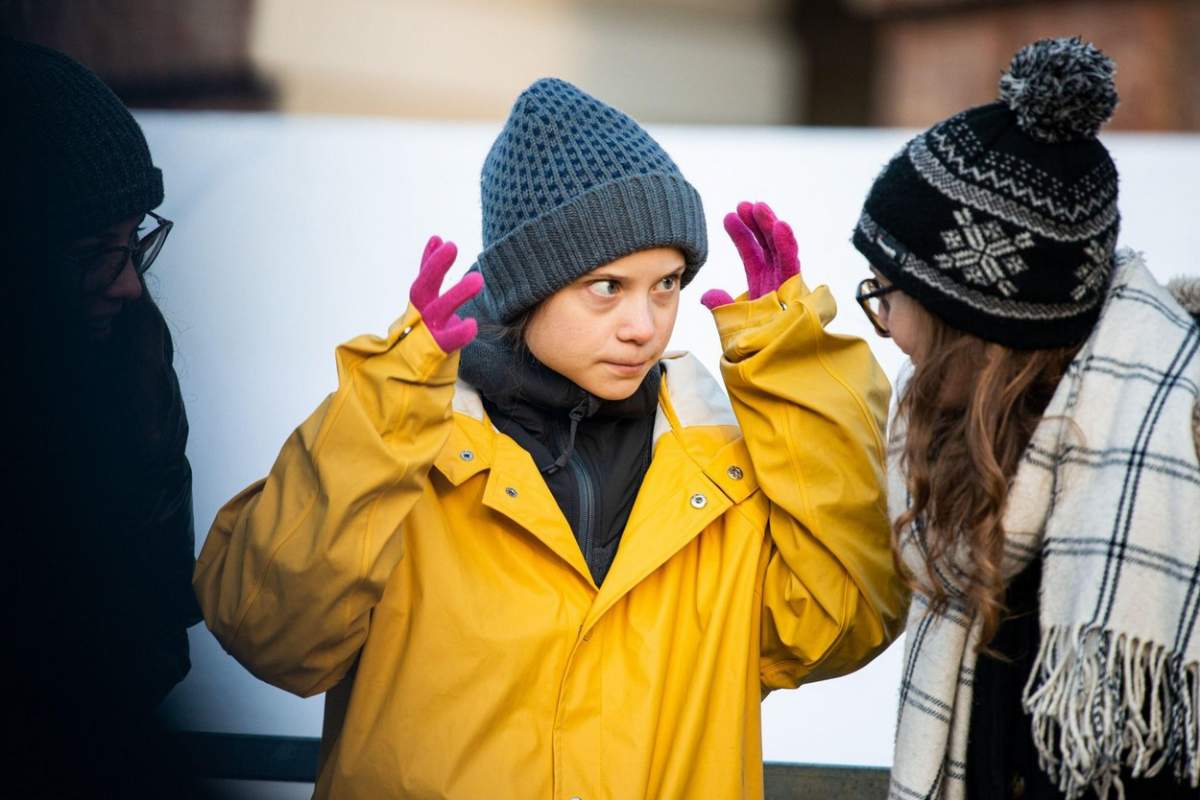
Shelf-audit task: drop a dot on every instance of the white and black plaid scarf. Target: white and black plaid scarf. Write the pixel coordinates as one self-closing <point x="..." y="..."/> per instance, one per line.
<point x="1108" y="496"/>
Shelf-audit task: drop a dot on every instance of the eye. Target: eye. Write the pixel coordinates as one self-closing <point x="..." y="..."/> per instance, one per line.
<point x="669" y="283"/>
<point x="604" y="288"/>
<point x="101" y="269"/>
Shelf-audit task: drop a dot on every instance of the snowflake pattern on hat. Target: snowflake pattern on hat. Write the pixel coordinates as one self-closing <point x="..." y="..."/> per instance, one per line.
<point x="1093" y="273"/>
<point x="983" y="253"/>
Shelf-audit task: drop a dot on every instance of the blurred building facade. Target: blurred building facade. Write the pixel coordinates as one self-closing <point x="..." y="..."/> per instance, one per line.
<point x="191" y="54"/>
<point x="822" y="62"/>
<point x="934" y="57"/>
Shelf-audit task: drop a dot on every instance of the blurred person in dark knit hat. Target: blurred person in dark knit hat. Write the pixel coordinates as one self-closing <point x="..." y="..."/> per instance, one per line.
<point x="97" y="523"/>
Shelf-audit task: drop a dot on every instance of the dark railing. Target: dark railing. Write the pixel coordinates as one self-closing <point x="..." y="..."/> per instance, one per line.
<point x="247" y="757"/>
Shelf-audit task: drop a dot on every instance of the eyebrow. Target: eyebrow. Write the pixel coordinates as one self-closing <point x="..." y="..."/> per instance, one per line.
<point x="608" y="276"/>
<point x="87" y="248"/>
<point x="98" y="241"/>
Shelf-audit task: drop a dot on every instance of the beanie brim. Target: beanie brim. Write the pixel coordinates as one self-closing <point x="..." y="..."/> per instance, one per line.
<point x="1015" y="324"/>
<point x="87" y="215"/>
<point x="609" y="221"/>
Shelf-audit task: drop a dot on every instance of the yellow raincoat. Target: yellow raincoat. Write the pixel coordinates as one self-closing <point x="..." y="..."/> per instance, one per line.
<point x="408" y="558"/>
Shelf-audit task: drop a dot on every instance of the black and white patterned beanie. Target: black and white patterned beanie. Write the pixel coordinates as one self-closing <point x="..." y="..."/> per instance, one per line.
<point x="1002" y="220"/>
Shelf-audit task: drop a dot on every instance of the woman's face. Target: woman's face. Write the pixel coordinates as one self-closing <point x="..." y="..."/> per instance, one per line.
<point x="607" y="329"/>
<point x="107" y="277"/>
<point x="900" y="314"/>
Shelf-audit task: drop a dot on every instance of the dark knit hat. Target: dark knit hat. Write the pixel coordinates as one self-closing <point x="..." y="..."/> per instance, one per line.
<point x="1002" y="220"/>
<point x="571" y="184"/>
<point x="76" y="161"/>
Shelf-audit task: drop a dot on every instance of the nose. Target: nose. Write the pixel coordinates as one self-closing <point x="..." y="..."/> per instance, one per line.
<point x="637" y="323"/>
<point x="127" y="286"/>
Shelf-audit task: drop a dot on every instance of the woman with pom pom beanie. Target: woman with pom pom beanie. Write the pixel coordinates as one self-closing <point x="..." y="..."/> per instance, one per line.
<point x="1043" y="480"/>
<point x="528" y="554"/>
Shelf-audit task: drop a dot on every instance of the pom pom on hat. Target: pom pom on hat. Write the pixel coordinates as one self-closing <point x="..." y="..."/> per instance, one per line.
<point x="1061" y="90"/>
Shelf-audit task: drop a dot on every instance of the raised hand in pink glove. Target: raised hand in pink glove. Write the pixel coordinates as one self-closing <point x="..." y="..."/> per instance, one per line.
<point x="767" y="246"/>
<point x="449" y="330"/>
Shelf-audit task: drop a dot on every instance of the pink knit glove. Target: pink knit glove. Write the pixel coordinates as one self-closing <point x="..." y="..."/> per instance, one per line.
<point x="767" y="247"/>
<point x="450" y="331"/>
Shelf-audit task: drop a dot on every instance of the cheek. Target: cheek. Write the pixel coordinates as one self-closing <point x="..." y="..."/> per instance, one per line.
<point x="900" y="337"/>
<point x="669" y="315"/>
<point x="902" y="323"/>
<point x="561" y="341"/>
<point x="664" y="322"/>
<point x="95" y="306"/>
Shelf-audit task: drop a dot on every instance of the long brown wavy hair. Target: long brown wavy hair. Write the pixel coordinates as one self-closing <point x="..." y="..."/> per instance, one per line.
<point x="971" y="407"/>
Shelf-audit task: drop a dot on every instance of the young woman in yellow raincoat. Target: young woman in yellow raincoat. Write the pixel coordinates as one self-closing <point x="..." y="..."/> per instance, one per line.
<point x="548" y="560"/>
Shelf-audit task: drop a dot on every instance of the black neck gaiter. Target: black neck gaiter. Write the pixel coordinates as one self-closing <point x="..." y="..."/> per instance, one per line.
<point x="592" y="453"/>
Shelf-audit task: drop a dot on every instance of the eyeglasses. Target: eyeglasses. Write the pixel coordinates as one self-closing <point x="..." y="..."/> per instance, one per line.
<point x="101" y="268"/>
<point x="872" y="297"/>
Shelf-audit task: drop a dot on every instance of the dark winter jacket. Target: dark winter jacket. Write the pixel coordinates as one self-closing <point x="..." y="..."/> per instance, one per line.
<point x="593" y="454"/>
<point x="100" y="548"/>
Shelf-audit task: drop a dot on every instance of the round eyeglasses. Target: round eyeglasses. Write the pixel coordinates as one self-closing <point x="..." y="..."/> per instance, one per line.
<point x="100" y="269"/>
<point x="872" y="298"/>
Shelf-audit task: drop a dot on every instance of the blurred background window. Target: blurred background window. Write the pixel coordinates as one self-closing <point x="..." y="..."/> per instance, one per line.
<point x="901" y="63"/>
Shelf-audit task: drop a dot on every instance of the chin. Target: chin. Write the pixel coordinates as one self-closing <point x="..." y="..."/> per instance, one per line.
<point x="615" y="388"/>
<point x="613" y="393"/>
<point x="99" y="334"/>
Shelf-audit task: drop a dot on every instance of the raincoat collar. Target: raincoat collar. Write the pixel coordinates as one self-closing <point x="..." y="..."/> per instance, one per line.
<point x="663" y="520"/>
<point x="687" y="396"/>
<point x="526" y="393"/>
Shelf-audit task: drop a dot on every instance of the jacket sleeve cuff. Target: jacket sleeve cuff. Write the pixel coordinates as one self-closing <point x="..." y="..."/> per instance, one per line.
<point x="748" y="326"/>
<point x="408" y="349"/>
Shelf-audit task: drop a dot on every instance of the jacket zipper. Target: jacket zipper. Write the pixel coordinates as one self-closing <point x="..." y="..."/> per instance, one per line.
<point x="585" y="521"/>
<point x="587" y="511"/>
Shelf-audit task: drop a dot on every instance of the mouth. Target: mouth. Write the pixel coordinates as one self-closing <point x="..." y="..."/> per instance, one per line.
<point x="100" y="323"/>
<point x="626" y="368"/>
<point x="98" y="331"/>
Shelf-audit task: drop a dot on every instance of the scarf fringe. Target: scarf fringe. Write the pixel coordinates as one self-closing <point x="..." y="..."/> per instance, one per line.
<point x="1101" y="701"/>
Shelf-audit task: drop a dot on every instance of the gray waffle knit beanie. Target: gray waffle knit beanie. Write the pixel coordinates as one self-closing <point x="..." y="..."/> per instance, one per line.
<point x="571" y="184"/>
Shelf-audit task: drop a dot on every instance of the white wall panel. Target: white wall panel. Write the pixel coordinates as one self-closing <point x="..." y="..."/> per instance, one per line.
<point x="295" y="233"/>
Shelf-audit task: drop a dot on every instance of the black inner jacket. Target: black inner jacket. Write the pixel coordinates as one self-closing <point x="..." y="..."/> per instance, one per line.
<point x="1002" y="761"/>
<point x="592" y="453"/>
